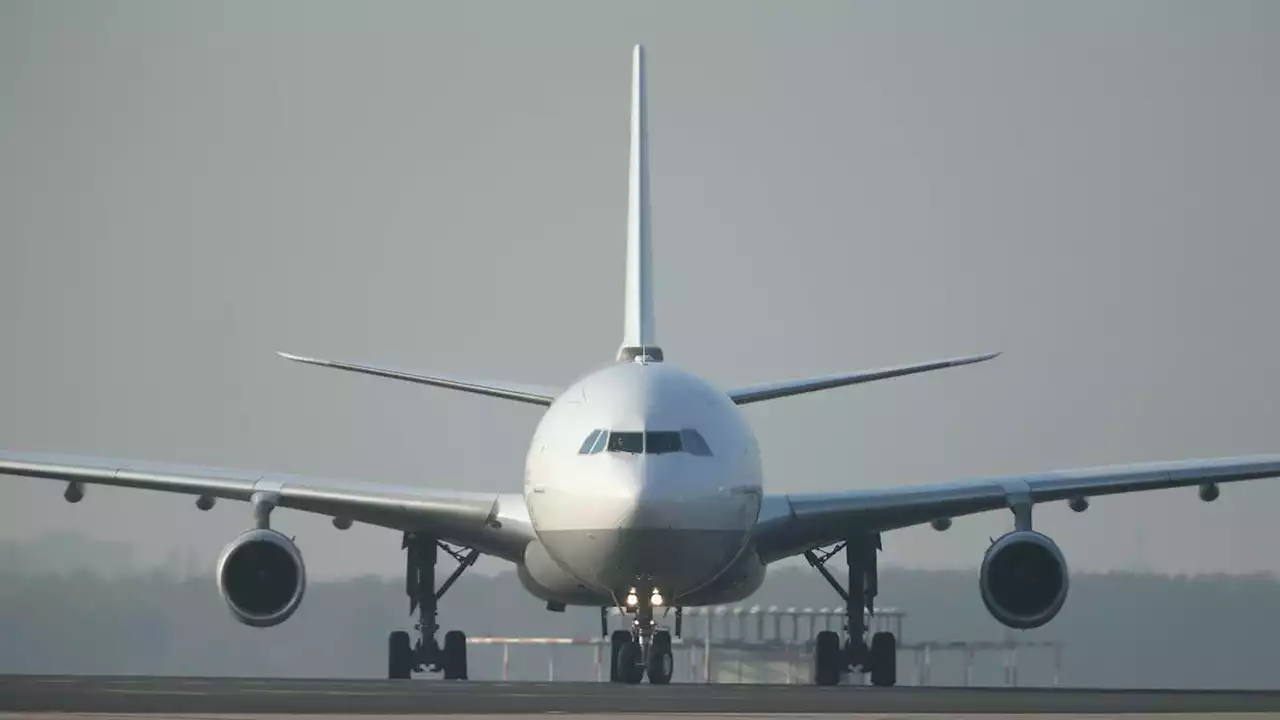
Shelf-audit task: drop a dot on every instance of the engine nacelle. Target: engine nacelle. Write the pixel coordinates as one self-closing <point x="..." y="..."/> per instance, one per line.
<point x="1023" y="580"/>
<point x="262" y="578"/>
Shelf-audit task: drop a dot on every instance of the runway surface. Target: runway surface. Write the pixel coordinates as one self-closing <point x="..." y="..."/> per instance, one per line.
<point x="207" y="696"/>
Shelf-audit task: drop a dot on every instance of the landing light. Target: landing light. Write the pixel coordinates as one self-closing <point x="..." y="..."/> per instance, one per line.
<point x="632" y="600"/>
<point x="655" y="599"/>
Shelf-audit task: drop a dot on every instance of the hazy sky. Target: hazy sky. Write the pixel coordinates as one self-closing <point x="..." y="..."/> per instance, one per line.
<point x="1090" y="187"/>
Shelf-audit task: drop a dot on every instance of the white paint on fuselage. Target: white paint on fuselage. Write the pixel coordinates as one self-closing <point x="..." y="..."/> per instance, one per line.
<point x="568" y="492"/>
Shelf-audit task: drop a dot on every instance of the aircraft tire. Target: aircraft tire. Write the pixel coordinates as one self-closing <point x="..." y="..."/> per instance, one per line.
<point x="884" y="659"/>
<point x="616" y="640"/>
<point x="661" y="663"/>
<point x="455" y="655"/>
<point x="399" y="656"/>
<point x="827" y="658"/>
<point x="629" y="668"/>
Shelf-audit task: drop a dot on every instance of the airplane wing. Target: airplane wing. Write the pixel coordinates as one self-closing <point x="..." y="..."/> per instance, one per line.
<point x="793" y="523"/>
<point x="493" y="523"/>
<point x="787" y="388"/>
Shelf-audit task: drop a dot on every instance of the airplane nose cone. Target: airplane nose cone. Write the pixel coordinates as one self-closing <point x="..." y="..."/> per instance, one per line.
<point x="646" y="521"/>
<point x="682" y="529"/>
<point x="618" y="490"/>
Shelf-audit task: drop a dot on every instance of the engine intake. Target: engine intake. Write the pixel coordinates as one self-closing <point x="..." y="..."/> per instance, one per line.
<point x="262" y="578"/>
<point x="1023" y="580"/>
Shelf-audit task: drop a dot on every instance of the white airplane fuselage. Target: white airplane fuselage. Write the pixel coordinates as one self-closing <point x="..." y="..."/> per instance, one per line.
<point x="666" y="500"/>
<point x="642" y="477"/>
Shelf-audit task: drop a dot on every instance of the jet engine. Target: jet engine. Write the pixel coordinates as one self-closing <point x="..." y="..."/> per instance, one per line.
<point x="1023" y="579"/>
<point x="261" y="577"/>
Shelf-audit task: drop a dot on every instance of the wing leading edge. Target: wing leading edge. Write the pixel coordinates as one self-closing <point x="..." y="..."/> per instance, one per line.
<point x="793" y="523"/>
<point x="496" y="524"/>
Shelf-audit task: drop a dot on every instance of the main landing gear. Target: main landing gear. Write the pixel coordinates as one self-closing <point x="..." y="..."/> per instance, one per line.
<point x="645" y="649"/>
<point x="426" y="655"/>
<point x="830" y="660"/>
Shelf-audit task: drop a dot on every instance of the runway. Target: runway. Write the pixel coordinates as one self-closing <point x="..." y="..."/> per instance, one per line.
<point x="122" y="695"/>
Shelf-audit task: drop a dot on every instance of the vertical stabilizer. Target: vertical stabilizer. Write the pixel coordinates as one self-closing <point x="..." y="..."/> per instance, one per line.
<point x="638" y="336"/>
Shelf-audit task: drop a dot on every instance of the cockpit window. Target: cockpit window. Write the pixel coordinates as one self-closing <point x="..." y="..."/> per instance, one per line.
<point x="658" y="442"/>
<point x="628" y="442"/>
<point x="652" y="442"/>
<point x="594" y="443"/>
<point x="695" y="443"/>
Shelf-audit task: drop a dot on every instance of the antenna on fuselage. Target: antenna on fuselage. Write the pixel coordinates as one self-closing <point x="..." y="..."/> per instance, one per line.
<point x="638" y="339"/>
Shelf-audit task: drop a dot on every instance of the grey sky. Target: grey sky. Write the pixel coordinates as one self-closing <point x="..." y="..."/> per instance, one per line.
<point x="1090" y="187"/>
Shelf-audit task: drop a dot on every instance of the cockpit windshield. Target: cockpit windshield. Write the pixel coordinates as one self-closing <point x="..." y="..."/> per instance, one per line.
<point x="594" y="443"/>
<point x="627" y="442"/>
<point x="694" y="443"/>
<point x="658" y="442"/>
<point x="651" y="442"/>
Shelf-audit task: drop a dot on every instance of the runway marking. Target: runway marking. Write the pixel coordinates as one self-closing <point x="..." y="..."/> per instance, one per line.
<point x="154" y="692"/>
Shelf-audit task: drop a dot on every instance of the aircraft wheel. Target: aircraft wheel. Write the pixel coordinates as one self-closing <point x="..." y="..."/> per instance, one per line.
<point x="827" y="658"/>
<point x="455" y="655"/>
<point x="661" y="662"/>
<point x="617" y="640"/>
<point x="884" y="659"/>
<point x="630" y="669"/>
<point x="399" y="656"/>
<point x="856" y="653"/>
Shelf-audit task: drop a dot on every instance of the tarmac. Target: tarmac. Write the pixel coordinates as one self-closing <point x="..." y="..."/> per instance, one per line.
<point x="31" y="696"/>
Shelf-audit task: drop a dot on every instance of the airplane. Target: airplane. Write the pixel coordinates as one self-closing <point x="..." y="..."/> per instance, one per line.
<point x="643" y="490"/>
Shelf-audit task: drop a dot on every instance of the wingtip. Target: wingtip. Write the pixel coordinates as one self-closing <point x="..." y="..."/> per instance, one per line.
<point x="295" y="358"/>
<point x="980" y="358"/>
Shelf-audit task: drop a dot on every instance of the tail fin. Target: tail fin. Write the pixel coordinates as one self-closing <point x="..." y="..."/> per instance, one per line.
<point x="638" y="335"/>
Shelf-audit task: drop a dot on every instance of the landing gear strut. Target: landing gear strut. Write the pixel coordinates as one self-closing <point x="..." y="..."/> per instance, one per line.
<point x="645" y="650"/>
<point x="426" y="655"/>
<point x="830" y="659"/>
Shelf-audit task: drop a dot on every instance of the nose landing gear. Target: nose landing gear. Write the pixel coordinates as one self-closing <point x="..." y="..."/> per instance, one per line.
<point x="645" y="650"/>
